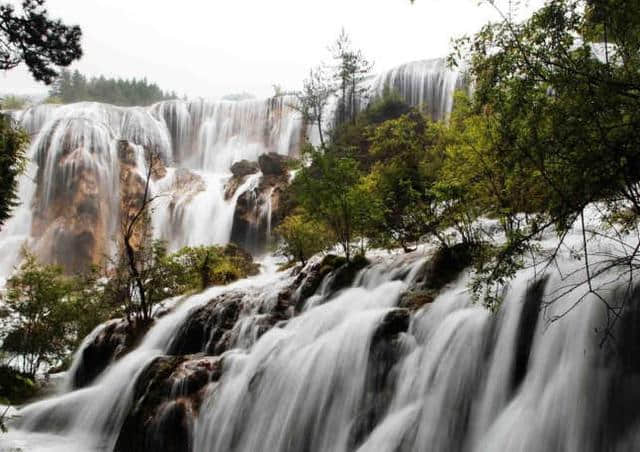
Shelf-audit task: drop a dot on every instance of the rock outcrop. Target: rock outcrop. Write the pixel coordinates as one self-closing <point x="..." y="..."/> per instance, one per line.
<point x="166" y="399"/>
<point x="260" y="209"/>
<point x="72" y="215"/>
<point x="116" y="339"/>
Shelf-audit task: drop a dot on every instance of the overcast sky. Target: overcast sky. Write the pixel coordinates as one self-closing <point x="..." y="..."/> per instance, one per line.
<point x="210" y="48"/>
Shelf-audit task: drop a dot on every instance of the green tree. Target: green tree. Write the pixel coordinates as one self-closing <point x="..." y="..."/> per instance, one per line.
<point x="313" y="99"/>
<point x="561" y="111"/>
<point x="302" y="237"/>
<point x="76" y="87"/>
<point x="406" y="167"/>
<point x="37" y="329"/>
<point x="351" y="68"/>
<point x="329" y="190"/>
<point x="31" y="37"/>
<point x="13" y="142"/>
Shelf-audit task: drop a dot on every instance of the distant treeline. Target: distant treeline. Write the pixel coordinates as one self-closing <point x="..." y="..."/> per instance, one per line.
<point x="75" y="87"/>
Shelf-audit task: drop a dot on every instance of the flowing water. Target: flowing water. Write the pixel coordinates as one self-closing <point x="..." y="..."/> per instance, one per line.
<point x="71" y="194"/>
<point x="461" y="378"/>
<point x="341" y="374"/>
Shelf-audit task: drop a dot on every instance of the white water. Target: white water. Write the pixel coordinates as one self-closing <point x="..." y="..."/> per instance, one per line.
<point x="427" y="84"/>
<point x="75" y="150"/>
<point x="464" y="379"/>
<point x="74" y="153"/>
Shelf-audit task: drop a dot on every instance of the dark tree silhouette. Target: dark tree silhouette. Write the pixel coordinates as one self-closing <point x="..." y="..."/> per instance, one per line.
<point x="30" y="36"/>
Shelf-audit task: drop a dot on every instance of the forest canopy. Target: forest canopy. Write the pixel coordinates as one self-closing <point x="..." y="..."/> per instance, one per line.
<point x="73" y="86"/>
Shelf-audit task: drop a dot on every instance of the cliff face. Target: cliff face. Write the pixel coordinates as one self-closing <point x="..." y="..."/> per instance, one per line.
<point x="74" y="215"/>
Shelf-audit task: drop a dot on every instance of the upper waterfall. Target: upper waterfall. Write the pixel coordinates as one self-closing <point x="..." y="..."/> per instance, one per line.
<point x="427" y="84"/>
<point x="87" y="156"/>
<point x="79" y="156"/>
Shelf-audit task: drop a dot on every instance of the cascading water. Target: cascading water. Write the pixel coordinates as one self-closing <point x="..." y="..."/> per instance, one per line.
<point x="70" y="197"/>
<point x="79" y="156"/>
<point x="268" y="364"/>
<point x="427" y="84"/>
<point x="355" y="371"/>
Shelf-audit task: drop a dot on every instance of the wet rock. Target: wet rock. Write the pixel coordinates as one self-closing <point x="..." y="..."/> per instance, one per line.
<point x="273" y="164"/>
<point x="445" y="266"/>
<point x="341" y="274"/>
<point x="117" y="338"/>
<point x="244" y="168"/>
<point x="204" y="330"/>
<point x="526" y="330"/>
<point x="345" y="274"/>
<point x="259" y="211"/>
<point x="396" y="321"/>
<point x="240" y="171"/>
<point x="166" y="399"/>
<point x="385" y="352"/>
<point x="416" y="299"/>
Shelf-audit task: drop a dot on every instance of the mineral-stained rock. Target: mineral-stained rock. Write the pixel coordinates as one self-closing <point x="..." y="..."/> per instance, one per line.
<point x="166" y="397"/>
<point x="258" y="211"/>
<point x="74" y="215"/>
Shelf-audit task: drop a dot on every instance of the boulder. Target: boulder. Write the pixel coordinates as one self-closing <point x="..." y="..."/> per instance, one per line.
<point x="273" y="164"/>
<point x="205" y="328"/>
<point x="166" y="398"/>
<point x="244" y="168"/>
<point x="385" y="352"/>
<point x="340" y="272"/>
<point x="117" y="338"/>
<point x="444" y="266"/>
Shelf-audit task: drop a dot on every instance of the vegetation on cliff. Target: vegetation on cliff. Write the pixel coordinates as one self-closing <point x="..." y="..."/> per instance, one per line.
<point x="551" y="128"/>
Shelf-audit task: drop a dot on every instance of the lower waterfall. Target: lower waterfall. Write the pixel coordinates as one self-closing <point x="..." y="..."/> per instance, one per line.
<point x="357" y="370"/>
<point x="301" y="360"/>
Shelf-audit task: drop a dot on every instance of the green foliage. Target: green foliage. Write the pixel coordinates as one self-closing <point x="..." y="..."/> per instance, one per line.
<point x="354" y="136"/>
<point x="37" y="318"/>
<point x="196" y="268"/>
<point x="75" y="87"/>
<point x="552" y="126"/>
<point x="15" y="387"/>
<point x="329" y="190"/>
<point x="13" y="142"/>
<point x="13" y="102"/>
<point x="400" y="183"/>
<point x="302" y="236"/>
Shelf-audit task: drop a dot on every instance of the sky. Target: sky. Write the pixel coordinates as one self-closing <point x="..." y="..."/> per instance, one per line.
<point x="211" y="48"/>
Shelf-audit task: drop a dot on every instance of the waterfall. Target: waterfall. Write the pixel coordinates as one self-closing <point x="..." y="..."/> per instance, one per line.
<point x="81" y="169"/>
<point x="427" y="84"/>
<point x="354" y="371"/>
<point x="293" y="361"/>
